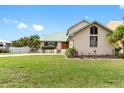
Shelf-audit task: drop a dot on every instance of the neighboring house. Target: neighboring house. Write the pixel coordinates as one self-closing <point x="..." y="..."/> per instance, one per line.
<point x="90" y="38"/>
<point x="4" y="45"/>
<point x="58" y="39"/>
<point x="114" y="24"/>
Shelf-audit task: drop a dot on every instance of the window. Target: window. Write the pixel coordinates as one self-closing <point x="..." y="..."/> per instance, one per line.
<point x="93" y="30"/>
<point x="1" y="45"/>
<point x="50" y="43"/>
<point x="93" y="41"/>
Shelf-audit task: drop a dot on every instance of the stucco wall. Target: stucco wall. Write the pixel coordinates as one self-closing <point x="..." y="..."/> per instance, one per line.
<point x="82" y="42"/>
<point x="58" y="45"/>
<point x="71" y="43"/>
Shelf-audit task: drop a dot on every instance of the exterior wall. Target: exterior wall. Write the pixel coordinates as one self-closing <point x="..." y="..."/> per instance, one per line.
<point x="55" y="50"/>
<point x="63" y="51"/>
<point x="79" y="26"/>
<point x="42" y="43"/>
<point x="8" y="45"/>
<point x="71" y="43"/>
<point x="58" y="45"/>
<point x="82" y="42"/>
<point x="5" y="46"/>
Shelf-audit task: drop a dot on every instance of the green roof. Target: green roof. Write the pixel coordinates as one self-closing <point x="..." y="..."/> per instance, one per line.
<point x="58" y="36"/>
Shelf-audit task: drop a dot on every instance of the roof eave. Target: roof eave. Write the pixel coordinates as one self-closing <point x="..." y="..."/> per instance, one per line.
<point x="93" y="23"/>
<point x="76" y="25"/>
<point x="53" y="41"/>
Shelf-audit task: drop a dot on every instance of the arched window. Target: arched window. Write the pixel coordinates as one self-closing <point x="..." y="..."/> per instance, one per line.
<point x="93" y="30"/>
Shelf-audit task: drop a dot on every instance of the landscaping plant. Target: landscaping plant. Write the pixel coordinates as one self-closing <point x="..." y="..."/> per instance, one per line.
<point x="70" y="52"/>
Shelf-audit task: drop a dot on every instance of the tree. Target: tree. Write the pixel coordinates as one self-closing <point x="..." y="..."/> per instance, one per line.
<point x="117" y="37"/>
<point x="32" y="41"/>
<point x="24" y="41"/>
<point x="112" y="39"/>
<point x="17" y="43"/>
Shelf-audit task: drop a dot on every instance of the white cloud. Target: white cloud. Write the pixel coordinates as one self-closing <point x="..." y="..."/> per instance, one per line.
<point x="121" y="6"/>
<point x="5" y="20"/>
<point x="87" y="18"/>
<point x="22" y="26"/>
<point x="38" y="27"/>
<point x="9" y="21"/>
<point x="14" y="21"/>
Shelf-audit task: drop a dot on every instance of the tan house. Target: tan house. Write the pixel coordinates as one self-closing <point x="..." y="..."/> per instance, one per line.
<point x="87" y="38"/>
<point x="90" y="38"/>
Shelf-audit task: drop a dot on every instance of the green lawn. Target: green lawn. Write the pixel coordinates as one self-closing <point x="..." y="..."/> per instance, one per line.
<point x="56" y="71"/>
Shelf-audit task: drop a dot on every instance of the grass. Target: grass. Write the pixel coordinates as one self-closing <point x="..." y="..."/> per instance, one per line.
<point x="56" y="71"/>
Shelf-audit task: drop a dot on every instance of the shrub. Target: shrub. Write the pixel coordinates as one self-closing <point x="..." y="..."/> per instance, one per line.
<point x="120" y="55"/>
<point x="70" y="52"/>
<point x="117" y="50"/>
<point x="49" y="47"/>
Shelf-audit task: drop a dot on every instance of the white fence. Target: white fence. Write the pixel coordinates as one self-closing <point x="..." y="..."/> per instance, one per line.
<point x="19" y="49"/>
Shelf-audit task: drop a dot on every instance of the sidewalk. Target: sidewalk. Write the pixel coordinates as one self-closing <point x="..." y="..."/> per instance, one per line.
<point x="28" y="54"/>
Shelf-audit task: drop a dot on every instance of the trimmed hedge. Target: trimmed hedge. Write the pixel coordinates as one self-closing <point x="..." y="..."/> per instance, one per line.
<point x="49" y="47"/>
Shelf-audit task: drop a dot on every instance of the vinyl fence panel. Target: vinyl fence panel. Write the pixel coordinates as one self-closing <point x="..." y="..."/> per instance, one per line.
<point x="19" y="49"/>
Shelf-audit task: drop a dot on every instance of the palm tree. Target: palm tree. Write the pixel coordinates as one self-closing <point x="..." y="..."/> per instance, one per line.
<point x="34" y="43"/>
<point x="119" y="34"/>
<point x="117" y="37"/>
<point x="24" y="41"/>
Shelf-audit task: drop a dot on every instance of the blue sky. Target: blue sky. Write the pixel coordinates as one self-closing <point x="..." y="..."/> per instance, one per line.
<point x="19" y="21"/>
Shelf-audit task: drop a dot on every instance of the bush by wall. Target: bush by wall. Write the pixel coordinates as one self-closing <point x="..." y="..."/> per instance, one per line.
<point x="70" y="52"/>
<point x="120" y="55"/>
<point x="49" y="47"/>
